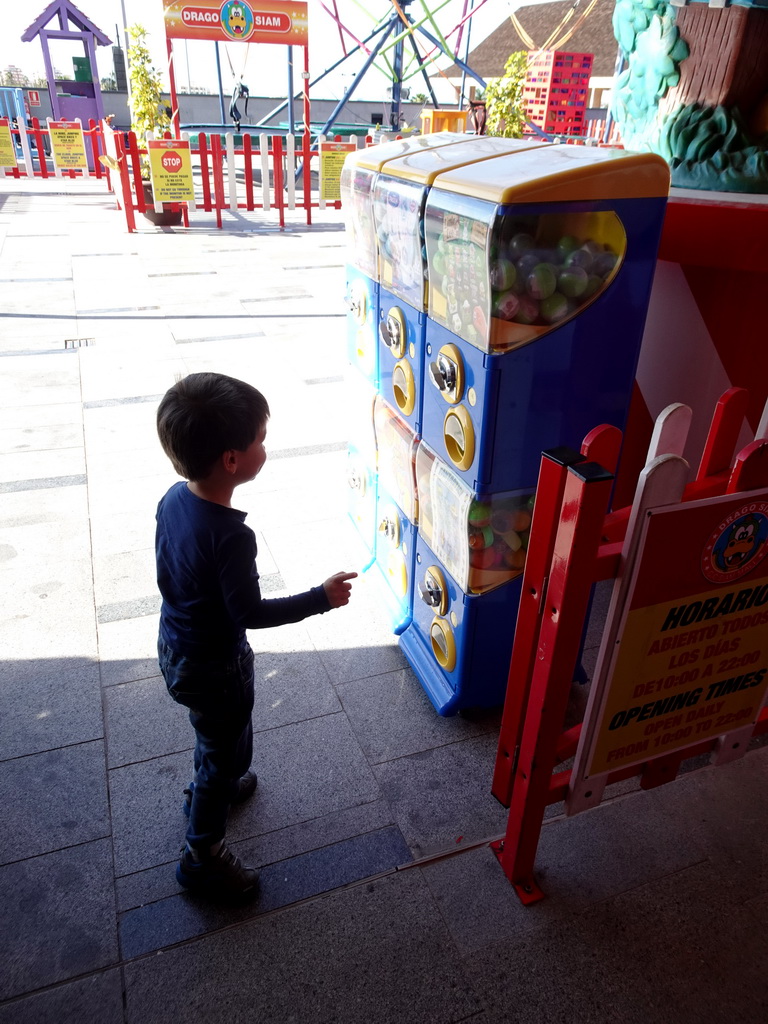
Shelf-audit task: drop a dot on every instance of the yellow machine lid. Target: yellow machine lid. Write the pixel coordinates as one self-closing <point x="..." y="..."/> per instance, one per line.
<point x="372" y="158"/>
<point x="561" y="173"/>
<point x="423" y="166"/>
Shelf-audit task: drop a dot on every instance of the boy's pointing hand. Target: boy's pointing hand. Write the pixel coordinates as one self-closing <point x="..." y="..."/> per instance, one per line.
<point x="338" y="588"/>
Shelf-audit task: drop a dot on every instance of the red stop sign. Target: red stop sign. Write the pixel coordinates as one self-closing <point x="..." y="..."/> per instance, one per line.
<point x="171" y="162"/>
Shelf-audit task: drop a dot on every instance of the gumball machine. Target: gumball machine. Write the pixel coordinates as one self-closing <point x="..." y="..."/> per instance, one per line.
<point x="361" y="288"/>
<point x="399" y="194"/>
<point x="362" y="483"/>
<point x="470" y="555"/>
<point x="396" y="512"/>
<point x="540" y="266"/>
<point x="362" y="298"/>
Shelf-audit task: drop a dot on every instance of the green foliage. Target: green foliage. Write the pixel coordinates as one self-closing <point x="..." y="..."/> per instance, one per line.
<point x="147" y="107"/>
<point x="709" y="148"/>
<point x="505" y="115"/>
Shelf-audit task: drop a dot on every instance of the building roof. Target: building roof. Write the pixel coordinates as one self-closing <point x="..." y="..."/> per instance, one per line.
<point x="66" y="12"/>
<point x="594" y="35"/>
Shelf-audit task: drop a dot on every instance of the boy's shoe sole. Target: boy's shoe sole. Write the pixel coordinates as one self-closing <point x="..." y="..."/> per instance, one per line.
<point x="247" y="787"/>
<point x="221" y="875"/>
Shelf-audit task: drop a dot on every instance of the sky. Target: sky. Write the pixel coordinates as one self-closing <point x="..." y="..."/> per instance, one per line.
<point x="264" y="67"/>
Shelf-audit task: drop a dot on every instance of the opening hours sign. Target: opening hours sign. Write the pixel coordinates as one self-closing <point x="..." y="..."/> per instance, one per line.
<point x="691" y="662"/>
<point x="264" y="21"/>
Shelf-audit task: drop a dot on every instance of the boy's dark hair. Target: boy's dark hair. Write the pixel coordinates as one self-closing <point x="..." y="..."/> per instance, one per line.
<point x="204" y="415"/>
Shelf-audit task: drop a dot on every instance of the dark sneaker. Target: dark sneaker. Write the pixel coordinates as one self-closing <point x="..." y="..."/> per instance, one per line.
<point x="246" y="788"/>
<point x="221" y="872"/>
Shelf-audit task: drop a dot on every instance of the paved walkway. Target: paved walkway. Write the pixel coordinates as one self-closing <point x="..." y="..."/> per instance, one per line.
<point x="381" y="901"/>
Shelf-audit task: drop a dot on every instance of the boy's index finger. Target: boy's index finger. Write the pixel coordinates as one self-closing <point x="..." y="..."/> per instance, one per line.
<point x="342" y="576"/>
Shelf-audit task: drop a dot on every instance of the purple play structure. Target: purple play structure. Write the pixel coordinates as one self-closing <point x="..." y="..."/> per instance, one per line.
<point x="70" y="100"/>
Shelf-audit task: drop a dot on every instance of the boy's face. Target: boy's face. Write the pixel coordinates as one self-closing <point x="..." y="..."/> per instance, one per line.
<point x="250" y="461"/>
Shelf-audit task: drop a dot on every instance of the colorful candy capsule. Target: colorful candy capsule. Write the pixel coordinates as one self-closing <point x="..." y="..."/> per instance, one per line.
<point x="554" y="308"/>
<point x="542" y="281"/>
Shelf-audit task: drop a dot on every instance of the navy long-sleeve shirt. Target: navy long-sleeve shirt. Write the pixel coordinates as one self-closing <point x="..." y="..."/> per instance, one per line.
<point x="206" y="572"/>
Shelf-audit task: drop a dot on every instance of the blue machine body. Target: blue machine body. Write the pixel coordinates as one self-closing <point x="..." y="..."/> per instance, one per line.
<point x="480" y="627"/>
<point x="362" y="301"/>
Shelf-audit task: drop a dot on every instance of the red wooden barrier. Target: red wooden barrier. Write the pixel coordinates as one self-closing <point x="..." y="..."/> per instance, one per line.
<point x="575" y="542"/>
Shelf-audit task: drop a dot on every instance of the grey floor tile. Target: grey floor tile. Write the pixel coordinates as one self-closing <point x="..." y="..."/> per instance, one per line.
<point x="57" y="917"/>
<point x="480" y="906"/>
<point x="125" y="576"/>
<point x="53" y="800"/>
<point x="726" y="813"/>
<point x="377" y="952"/>
<point x="442" y="797"/>
<point x="142" y="722"/>
<point x="97" y="999"/>
<point x="306" y="770"/>
<point x="40" y="437"/>
<point x="290" y="686"/>
<point x="185" y="916"/>
<point x="45" y="415"/>
<point x="611" y="849"/>
<point x="128" y="649"/>
<point x="154" y="884"/>
<point x="392" y="716"/>
<point x="145" y="802"/>
<point x="644" y="957"/>
<point x="49" y="703"/>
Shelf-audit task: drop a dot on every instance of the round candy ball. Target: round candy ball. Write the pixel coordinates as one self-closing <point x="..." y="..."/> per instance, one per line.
<point x="542" y="281"/>
<point x="554" y="308"/>
<point x="572" y="281"/>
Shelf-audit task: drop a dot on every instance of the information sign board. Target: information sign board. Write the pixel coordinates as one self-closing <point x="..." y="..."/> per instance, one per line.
<point x="68" y="145"/>
<point x="170" y="168"/>
<point x="692" y="656"/>
<point x="263" y="21"/>
<point x="332" y="156"/>
<point x="7" y="148"/>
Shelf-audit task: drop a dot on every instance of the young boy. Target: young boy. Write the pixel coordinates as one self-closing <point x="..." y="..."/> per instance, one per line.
<point x="212" y="428"/>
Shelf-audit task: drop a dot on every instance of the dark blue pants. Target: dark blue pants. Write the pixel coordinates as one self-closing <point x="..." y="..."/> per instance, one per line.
<point x="219" y="695"/>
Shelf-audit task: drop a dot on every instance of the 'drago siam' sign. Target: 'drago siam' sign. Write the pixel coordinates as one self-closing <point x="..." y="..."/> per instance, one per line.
<point x="270" y="21"/>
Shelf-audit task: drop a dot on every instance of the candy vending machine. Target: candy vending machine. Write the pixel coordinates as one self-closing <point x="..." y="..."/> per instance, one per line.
<point x="399" y="196"/>
<point x="361" y="287"/>
<point x="540" y="265"/>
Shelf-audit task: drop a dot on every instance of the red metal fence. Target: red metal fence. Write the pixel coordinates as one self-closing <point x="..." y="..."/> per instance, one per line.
<point x="33" y="143"/>
<point x="262" y="173"/>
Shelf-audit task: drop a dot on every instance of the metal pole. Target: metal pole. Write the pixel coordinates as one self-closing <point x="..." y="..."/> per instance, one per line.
<point x="221" y="87"/>
<point x="127" y="59"/>
<point x="291" y="116"/>
<point x="397" y="84"/>
<point x="267" y="117"/>
<point x="424" y="74"/>
<point x="466" y="56"/>
<point x="175" y="120"/>
<point x="387" y="29"/>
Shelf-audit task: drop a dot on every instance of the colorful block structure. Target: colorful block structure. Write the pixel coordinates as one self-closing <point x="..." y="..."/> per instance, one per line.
<point x="556" y="89"/>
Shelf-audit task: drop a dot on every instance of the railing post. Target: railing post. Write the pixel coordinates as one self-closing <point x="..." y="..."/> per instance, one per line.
<point x="277" y="163"/>
<point x="38" y="135"/>
<point x="248" y="169"/>
<point x="585" y="500"/>
<point x="218" y="176"/>
<point x="205" y="179"/>
<point x="125" y="181"/>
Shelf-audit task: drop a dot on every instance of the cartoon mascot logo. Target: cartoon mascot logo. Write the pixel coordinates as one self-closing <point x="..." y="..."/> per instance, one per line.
<point x="737" y="545"/>
<point x="237" y="19"/>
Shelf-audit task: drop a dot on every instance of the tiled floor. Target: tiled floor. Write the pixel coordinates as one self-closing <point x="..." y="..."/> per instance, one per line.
<point x="381" y="900"/>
